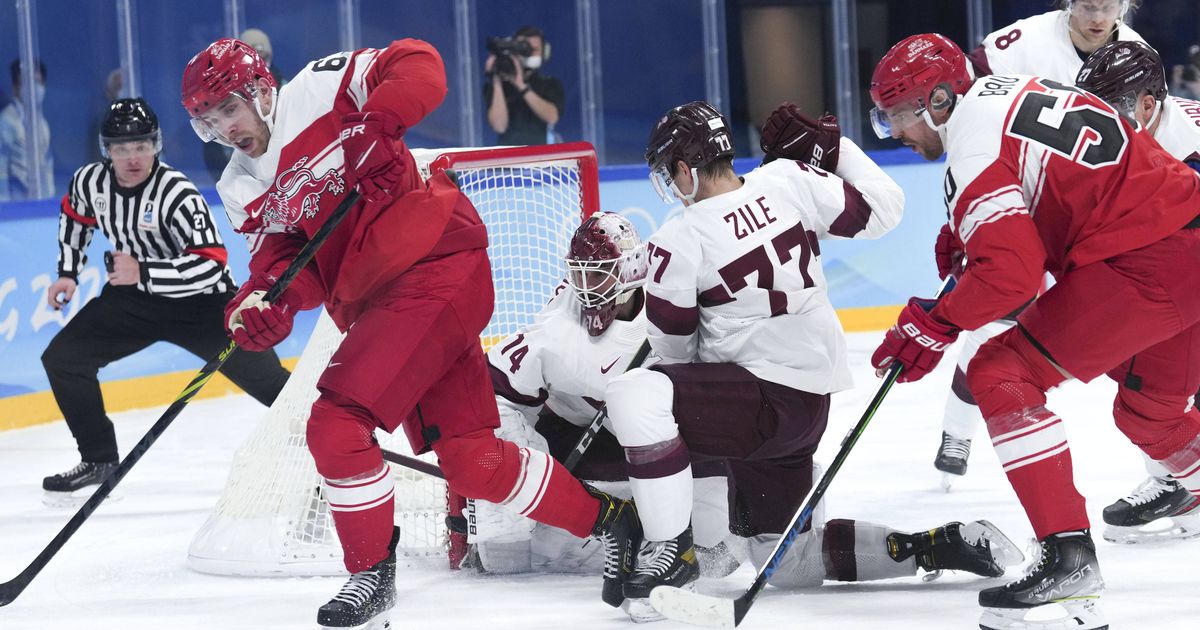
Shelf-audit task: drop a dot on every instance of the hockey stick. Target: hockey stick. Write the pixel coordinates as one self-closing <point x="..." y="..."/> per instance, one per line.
<point x="719" y="612"/>
<point x="11" y="589"/>
<point x="413" y="463"/>
<point x="597" y="422"/>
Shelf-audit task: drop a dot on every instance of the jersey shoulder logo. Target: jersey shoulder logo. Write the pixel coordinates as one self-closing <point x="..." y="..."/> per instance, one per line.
<point x="297" y="193"/>
<point x="99" y="205"/>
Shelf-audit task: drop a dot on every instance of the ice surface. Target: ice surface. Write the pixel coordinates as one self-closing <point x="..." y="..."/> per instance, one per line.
<point x="126" y="568"/>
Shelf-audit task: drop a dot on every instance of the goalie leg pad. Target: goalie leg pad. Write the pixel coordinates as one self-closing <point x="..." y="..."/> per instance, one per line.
<point x="478" y="465"/>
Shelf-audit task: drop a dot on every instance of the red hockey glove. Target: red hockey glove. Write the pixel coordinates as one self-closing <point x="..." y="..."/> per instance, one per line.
<point x="791" y="135"/>
<point x="256" y="325"/>
<point x="917" y="341"/>
<point x="948" y="253"/>
<point x="372" y="162"/>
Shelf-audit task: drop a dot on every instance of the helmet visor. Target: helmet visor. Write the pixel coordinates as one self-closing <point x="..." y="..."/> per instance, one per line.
<point x="890" y="122"/>
<point x="664" y="184"/>
<point x="1099" y="10"/>
<point x="136" y="146"/>
<point x="209" y="123"/>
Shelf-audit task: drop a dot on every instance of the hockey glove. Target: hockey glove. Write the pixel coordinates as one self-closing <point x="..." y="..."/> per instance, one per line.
<point x="791" y="135"/>
<point x="948" y="253"/>
<point x="256" y="325"/>
<point x="372" y="162"/>
<point x="917" y="341"/>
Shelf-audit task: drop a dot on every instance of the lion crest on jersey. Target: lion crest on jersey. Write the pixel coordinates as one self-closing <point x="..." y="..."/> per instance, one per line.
<point x="297" y="193"/>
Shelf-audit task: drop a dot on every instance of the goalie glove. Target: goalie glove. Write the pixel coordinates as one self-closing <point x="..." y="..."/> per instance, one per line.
<point x="917" y="341"/>
<point x="791" y="135"/>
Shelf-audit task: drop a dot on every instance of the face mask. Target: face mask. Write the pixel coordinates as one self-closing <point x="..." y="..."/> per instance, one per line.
<point x="39" y="94"/>
<point x="533" y="63"/>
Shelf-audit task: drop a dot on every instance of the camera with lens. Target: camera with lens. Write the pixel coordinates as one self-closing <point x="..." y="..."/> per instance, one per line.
<point x="502" y="47"/>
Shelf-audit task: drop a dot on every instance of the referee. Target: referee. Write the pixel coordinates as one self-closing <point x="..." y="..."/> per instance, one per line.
<point x="168" y="281"/>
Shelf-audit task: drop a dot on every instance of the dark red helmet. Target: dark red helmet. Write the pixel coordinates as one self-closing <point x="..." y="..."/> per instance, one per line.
<point x="1121" y="72"/>
<point x="605" y="263"/>
<point x="913" y="67"/>
<point x="226" y="67"/>
<point x="695" y="133"/>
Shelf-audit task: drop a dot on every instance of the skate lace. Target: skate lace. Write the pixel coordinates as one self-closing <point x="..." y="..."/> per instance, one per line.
<point x="1039" y="563"/>
<point x="612" y="558"/>
<point x="1150" y="490"/>
<point x="359" y="588"/>
<point x="956" y="448"/>
<point x="657" y="557"/>
<point x="79" y="468"/>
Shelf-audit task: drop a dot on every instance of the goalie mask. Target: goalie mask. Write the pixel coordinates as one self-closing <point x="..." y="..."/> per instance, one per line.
<point x="906" y="76"/>
<point x="696" y="134"/>
<point x="1120" y="73"/>
<point x="129" y="120"/>
<point x="228" y="67"/>
<point x="605" y="264"/>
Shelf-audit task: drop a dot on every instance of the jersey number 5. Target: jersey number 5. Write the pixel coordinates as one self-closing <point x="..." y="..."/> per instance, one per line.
<point x="1084" y="134"/>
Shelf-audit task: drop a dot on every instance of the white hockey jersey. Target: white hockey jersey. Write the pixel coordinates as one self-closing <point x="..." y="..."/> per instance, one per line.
<point x="555" y="362"/>
<point x="737" y="278"/>
<point x="1179" y="129"/>
<point x="1039" y="45"/>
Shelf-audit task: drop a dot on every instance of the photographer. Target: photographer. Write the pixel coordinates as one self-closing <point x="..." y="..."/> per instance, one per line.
<point x="522" y="102"/>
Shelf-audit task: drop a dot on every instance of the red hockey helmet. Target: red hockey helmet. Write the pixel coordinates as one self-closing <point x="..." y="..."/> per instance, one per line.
<point x="695" y="133"/>
<point x="227" y="67"/>
<point x="1121" y="72"/>
<point x="605" y="263"/>
<point x="906" y="75"/>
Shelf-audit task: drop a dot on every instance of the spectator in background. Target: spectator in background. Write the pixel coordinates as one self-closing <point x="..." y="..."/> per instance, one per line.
<point x="216" y="155"/>
<point x="523" y="105"/>
<point x="16" y="180"/>
<point x="1185" y="78"/>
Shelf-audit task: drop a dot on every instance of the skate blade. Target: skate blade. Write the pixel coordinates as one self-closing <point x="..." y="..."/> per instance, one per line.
<point x="1161" y="531"/>
<point x="1003" y="548"/>
<point x="948" y="481"/>
<point x="74" y="499"/>
<point x="1081" y="613"/>
<point x="382" y="621"/>
<point x="641" y="611"/>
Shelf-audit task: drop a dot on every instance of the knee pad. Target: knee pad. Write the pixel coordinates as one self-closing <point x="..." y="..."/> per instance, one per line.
<point x="639" y="407"/>
<point x="341" y="438"/>
<point x="1009" y="374"/>
<point x="478" y="465"/>
<point x="1158" y="424"/>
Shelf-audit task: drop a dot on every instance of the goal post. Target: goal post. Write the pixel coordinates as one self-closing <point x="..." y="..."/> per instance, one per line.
<point x="272" y="518"/>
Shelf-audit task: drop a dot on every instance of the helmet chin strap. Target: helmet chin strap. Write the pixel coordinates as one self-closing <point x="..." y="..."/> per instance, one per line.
<point x="940" y="98"/>
<point x="268" y="117"/>
<point x="1158" y="110"/>
<point x="689" y="198"/>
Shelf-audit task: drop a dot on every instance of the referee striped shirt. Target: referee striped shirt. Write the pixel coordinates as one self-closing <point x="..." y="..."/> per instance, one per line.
<point x="163" y="223"/>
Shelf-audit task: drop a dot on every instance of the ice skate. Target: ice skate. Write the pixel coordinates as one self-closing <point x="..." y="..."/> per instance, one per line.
<point x="952" y="459"/>
<point x="1065" y="579"/>
<point x="1158" y="510"/>
<point x="73" y="487"/>
<point x="978" y="547"/>
<point x="619" y="530"/>
<point x="667" y="563"/>
<point x="365" y="601"/>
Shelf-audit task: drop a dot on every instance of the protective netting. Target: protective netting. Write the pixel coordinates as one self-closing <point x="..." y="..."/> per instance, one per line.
<point x="272" y="518"/>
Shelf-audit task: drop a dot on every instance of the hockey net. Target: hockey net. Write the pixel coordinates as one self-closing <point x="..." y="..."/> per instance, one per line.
<point x="272" y="518"/>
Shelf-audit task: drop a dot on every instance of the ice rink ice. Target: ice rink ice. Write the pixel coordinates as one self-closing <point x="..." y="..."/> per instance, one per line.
<point x="126" y="567"/>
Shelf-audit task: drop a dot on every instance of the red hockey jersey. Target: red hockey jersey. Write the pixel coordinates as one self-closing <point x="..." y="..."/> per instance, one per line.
<point x="1044" y="177"/>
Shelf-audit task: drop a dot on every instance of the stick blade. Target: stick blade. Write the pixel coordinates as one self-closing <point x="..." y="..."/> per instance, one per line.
<point x="694" y="608"/>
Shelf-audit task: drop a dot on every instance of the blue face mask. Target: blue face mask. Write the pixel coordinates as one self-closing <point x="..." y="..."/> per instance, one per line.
<point x="39" y="94"/>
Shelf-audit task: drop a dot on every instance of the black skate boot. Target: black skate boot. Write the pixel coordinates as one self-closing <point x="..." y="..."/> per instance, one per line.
<point x="978" y="547"/>
<point x="60" y="489"/>
<point x="366" y="597"/>
<point x="1156" y="498"/>
<point x="1067" y="574"/>
<point x="667" y="563"/>
<point x="952" y="457"/>
<point x="619" y="530"/>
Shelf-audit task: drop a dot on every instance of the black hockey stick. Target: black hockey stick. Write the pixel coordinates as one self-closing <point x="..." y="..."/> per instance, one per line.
<point x="719" y="612"/>
<point x="418" y="465"/>
<point x="11" y="589"/>
<point x="597" y="422"/>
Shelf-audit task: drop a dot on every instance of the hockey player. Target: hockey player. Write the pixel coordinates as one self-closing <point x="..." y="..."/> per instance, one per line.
<point x="743" y="390"/>
<point x="1052" y="46"/>
<point x="169" y="282"/>
<point x="406" y="275"/>
<point x="1042" y="177"/>
<point x="1130" y="77"/>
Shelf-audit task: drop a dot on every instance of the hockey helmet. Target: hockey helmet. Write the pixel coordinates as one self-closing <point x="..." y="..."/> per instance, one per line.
<point x="1121" y="72"/>
<point x="227" y="67"/>
<point x="906" y="76"/>
<point x="695" y="133"/>
<point x="605" y="263"/>
<point x="129" y="120"/>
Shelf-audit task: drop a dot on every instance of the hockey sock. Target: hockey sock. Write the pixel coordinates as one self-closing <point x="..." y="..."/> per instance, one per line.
<point x="1184" y="465"/>
<point x="962" y="416"/>
<point x="362" y="508"/>
<point x="856" y="551"/>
